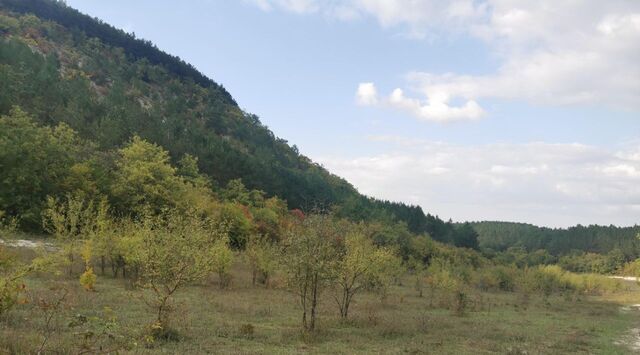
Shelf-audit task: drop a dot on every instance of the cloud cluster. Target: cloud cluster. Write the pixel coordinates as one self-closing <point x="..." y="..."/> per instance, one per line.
<point x="436" y="107"/>
<point x="550" y="184"/>
<point x="551" y="52"/>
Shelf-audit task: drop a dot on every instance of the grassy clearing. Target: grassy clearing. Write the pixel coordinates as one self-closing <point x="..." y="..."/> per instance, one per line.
<point x="246" y="320"/>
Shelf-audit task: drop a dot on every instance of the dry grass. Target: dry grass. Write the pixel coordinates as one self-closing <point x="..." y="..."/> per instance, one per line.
<point x="247" y="320"/>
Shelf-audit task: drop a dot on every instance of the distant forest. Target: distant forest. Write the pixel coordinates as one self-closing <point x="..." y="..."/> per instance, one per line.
<point x="500" y="236"/>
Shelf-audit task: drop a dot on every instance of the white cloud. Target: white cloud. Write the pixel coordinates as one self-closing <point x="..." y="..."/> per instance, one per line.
<point x="264" y="5"/>
<point x="366" y="94"/>
<point x="418" y="16"/>
<point x="436" y="108"/>
<point x="295" y="6"/>
<point x="551" y="52"/>
<point x="544" y="183"/>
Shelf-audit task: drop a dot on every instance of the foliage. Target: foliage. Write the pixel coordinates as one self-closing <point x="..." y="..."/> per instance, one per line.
<point x="262" y="256"/>
<point x="222" y="258"/>
<point x="88" y="279"/>
<point x="12" y="274"/>
<point x="309" y="261"/>
<point x="608" y="263"/>
<point x="71" y="221"/>
<point x="64" y="67"/>
<point x="174" y="250"/>
<point x="237" y="218"/>
<point x="145" y="178"/>
<point x="465" y="236"/>
<point x="35" y="162"/>
<point x="11" y="286"/>
<point x="496" y="278"/>
<point x="499" y="236"/>
<point x="360" y="264"/>
<point x="99" y="333"/>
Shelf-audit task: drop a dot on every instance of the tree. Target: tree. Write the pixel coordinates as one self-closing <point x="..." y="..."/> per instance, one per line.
<point x="174" y="250"/>
<point x="71" y="221"/>
<point x="360" y="264"/>
<point x="222" y="260"/>
<point x="35" y="162"/>
<point x="13" y="271"/>
<point x="308" y="261"/>
<point x="145" y="178"/>
<point x="237" y="218"/>
<point x="262" y="256"/>
<point x="466" y="237"/>
<point x="104" y="239"/>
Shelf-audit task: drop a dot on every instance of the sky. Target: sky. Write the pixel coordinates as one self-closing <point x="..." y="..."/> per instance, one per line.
<point x="525" y="111"/>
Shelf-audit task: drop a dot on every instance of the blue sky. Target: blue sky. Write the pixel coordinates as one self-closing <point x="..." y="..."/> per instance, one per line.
<point x="483" y="109"/>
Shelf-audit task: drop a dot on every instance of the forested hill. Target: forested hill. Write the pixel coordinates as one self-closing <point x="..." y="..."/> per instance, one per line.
<point x="61" y="66"/>
<point x="500" y="236"/>
<point x="92" y="27"/>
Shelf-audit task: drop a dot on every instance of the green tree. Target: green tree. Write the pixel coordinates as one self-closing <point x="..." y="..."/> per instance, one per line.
<point x="237" y="218"/>
<point x="262" y="256"/>
<point x="174" y="250"/>
<point x="35" y="162"/>
<point x="145" y="179"/>
<point x="105" y="236"/>
<point x="71" y="221"/>
<point x="466" y="237"/>
<point x="309" y="261"/>
<point x="222" y="261"/>
<point x="360" y="264"/>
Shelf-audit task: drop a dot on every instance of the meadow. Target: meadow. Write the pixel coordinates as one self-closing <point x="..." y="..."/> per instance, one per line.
<point x="247" y="319"/>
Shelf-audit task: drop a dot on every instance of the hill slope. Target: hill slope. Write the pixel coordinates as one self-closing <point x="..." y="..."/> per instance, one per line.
<point x="63" y="66"/>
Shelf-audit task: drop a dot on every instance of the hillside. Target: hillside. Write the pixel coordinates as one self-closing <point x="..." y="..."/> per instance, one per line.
<point x="63" y="66"/>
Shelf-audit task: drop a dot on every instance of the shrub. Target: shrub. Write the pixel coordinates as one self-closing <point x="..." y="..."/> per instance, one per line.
<point x="496" y="278"/>
<point x="88" y="279"/>
<point x="553" y="279"/>
<point x="460" y="302"/>
<point x="545" y="280"/>
<point x="442" y="275"/>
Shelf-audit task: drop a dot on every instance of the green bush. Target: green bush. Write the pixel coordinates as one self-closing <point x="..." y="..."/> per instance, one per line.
<point x="496" y="278"/>
<point x="553" y="279"/>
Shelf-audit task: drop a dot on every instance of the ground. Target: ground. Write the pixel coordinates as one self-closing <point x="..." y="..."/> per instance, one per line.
<point x="254" y="320"/>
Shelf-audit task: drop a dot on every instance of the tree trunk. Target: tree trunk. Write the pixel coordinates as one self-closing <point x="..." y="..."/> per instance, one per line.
<point x="70" y="264"/>
<point x="314" y="302"/>
<point x="303" y="302"/>
<point x="102" y="264"/>
<point x="304" y="319"/>
<point x="346" y="306"/>
<point x="114" y="268"/>
<point x="163" y="319"/>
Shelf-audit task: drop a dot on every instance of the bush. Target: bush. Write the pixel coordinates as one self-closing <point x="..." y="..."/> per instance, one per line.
<point x="88" y="279"/>
<point x="553" y="279"/>
<point x="496" y="278"/>
<point x="544" y="279"/>
<point x="460" y="302"/>
<point x="443" y="275"/>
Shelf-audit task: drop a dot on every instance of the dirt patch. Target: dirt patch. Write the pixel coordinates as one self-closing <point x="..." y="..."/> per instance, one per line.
<point x="29" y="244"/>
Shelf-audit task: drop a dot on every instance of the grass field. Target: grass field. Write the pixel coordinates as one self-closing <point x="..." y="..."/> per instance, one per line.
<point x="253" y="320"/>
